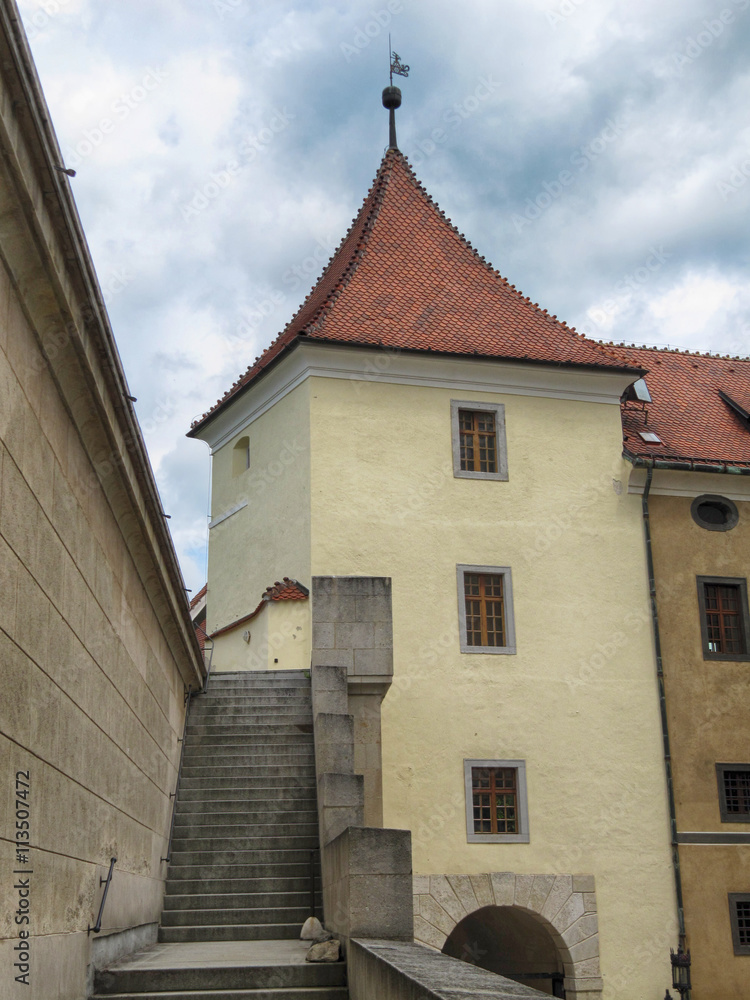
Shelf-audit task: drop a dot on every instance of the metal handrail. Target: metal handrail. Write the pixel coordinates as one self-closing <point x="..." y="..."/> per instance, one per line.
<point x="98" y="925"/>
<point x="173" y="795"/>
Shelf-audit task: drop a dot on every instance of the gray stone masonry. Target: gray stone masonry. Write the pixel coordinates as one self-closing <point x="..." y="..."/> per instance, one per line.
<point x="352" y="662"/>
<point x="393" y="970"/>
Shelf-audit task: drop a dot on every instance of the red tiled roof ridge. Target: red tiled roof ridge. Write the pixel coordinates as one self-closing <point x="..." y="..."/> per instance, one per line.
<point x="684" y="352"/>
<point x="496" y="321"/>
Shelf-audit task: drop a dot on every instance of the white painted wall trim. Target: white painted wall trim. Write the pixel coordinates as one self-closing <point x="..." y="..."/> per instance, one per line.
<point x="394" y="367"/>
<point x="673" y="483"/>
<point x="226" y="514"/>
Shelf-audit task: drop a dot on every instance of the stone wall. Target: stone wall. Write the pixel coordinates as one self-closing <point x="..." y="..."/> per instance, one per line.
<point x="96" y="646"/>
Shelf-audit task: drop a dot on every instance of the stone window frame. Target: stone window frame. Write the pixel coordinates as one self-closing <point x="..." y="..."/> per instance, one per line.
<point x="715" y="498"/>
<point x="509" y="649"/>
<point x="727" y="817"/>
<point x="523" y="836"/>
<point x="734" y="898"/>
<point x="501" y="443"/>
<point x="724" y="581"/>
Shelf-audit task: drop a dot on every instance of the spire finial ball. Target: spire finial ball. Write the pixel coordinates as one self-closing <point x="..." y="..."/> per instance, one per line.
<point x="391" y="98"/>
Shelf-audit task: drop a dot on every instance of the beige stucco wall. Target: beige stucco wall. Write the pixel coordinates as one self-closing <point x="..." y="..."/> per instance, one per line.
<point x="279" y="640"/>
<point x="708" y="705"/>
<point x="267" y="539"/>
<point x="577" y="702"/>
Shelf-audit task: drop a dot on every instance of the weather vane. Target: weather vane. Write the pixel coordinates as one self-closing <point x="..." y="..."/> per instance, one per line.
<point x="392" y="95"/>
<point x="397" y="67"/>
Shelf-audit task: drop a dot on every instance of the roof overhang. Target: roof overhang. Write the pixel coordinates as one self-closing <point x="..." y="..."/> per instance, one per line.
<point x="305" y="358"/>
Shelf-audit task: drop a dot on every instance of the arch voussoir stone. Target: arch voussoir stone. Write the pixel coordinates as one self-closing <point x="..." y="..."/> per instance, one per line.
<point x="564" y="904"/>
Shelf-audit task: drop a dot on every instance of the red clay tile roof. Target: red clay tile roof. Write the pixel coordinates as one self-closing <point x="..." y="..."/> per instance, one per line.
<point x="688" y="412"/>
<point x="286" y="590"/>
<point x="405" y="278"/>
<point x="199" y="596"/>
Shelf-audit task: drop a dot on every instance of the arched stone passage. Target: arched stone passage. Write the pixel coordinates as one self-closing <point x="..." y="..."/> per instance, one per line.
<point x="564" y="904"/>
<point x="509" y="941"/>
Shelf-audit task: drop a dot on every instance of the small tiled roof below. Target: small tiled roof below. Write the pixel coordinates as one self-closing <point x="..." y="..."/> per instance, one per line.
<point x="696" y="410"/>
<point x="285" y="590"/>
<point x="199" y="596"/>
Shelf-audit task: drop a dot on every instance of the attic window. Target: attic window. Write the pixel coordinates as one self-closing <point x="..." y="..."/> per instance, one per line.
<point x="638" y="392"/>
<point x="650" y="437"/>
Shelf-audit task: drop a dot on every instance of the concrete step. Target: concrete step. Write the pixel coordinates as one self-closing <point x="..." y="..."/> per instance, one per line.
<point x="230" y="738"/>
<point x="252" y="754"/>
<point x="231" y="932"/>
<point x="247" y="715"/>
<point x="259" y="731"/>
<point x="267" y="842"/>
<point x="194" y="809"/>
<point x="277" y="993"/>
<point x="229" y="831"/>
<point x="235" y="856"/>
<point x="212" y="819"/>
<point x="239" y="886"/>
<point x="222" y="917"/>
<point x="294" y="789"/>
<point x="220" y="977"/>
<point x="231" y="871"/>
<point x="240" y="900"/>
<point x="261" y="696"/>
<point x="239" y="771"/>
<point x="254" y="706"/>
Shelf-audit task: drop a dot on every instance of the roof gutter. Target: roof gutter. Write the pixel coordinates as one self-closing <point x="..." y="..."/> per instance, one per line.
<point x="687" y="465"/>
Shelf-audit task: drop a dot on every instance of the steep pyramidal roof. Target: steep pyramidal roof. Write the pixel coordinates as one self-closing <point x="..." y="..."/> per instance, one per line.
<point x="404" y="278"/>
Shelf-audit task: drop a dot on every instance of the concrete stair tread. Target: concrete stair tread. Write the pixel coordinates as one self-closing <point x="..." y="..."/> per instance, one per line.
<point x="270" y="899"/>
<point x="230" y="932"/>
<point x="261" y="993"/>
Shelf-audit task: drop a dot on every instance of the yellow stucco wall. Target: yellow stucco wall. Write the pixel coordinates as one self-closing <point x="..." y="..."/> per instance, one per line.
<point x="279" y="640"/>
<point x="708" y="705"/>
<point x="578" y="700"/>
<point x="267" y="539"/>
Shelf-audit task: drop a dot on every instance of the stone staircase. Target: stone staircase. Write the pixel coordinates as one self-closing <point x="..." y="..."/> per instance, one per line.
<point x="245" y="827"/>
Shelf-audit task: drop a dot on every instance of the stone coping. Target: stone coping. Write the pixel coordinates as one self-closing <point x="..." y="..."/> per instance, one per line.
<point x="421" y="974"/>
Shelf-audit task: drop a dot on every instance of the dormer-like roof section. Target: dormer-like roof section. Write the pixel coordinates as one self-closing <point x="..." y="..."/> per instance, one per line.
<point x="697" y="408"/>
<point x="404" y="278"/>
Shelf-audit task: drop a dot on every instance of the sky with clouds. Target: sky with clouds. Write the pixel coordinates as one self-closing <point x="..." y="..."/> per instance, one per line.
<point x="596" y="151"/>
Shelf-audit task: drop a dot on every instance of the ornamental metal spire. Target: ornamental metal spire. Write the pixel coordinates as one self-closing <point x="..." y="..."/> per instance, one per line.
<point x="392" y="95"/>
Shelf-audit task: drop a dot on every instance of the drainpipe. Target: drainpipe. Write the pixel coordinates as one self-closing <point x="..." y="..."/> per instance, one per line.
<point x="663" y="706"/>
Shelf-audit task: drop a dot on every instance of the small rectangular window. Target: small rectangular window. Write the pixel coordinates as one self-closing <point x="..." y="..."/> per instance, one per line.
<point x="485" y="609"/>
<point x="734" y="792"/>
<point x="478" y="440"/>
<point x="724" y="617"/>
<point x="739" y="915"/>
<point x="496" y="809"/>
